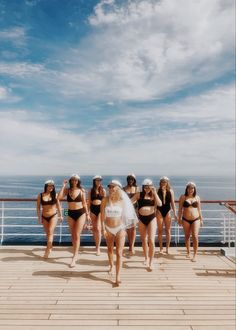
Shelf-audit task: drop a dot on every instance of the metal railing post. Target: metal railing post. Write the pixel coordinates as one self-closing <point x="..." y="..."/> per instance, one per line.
<point x="229" y="229"/>
<point x="2" y="224"/>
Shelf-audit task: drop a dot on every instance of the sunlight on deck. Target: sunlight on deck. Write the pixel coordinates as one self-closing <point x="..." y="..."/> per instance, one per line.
<point x="178" y="294"/>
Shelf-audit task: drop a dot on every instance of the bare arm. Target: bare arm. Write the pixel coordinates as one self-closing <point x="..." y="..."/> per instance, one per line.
<point x="103" y="204"/>
<point x="62" y="193"/>
<point x="158" y="201"/>
<point x="59" y="209"/>
<point x="200" y="210"/>
<point x="84" y="202"/>
<point x="135" y="197"/>
<point x="181" y="200"/>
<point x="39" y="208"/>
<point x="89" y="199"/>
<point x="173" y="203"/>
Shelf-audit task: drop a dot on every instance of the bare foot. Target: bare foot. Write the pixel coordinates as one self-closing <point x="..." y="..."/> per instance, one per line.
<point x="73" y="262"/>
<point x="145" y="262"/>
<point x="132" y="252"/>
<point x="194" y="259"/>
<point x="188" y="255"/>
<point x="111" y="270"/>
<point x="161" y="251"/>
<point x="46" y="253"/>
<point x="151" y="267"/>
<point x="98" y="252"/>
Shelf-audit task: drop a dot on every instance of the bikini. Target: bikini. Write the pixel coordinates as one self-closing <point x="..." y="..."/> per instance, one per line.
<point x="95" y="209"/>
<point x="186" y="204"/>
<point x="130" y="196"/>
<point x="146" y="219"/>
<point x="114" y="212"/>
<point x="75" y="214"/>
<point x="50" y="202"/>
<point x="165" y="208"/>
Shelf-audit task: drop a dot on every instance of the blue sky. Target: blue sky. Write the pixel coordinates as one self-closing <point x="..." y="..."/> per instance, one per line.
<point x="115" y="86"/>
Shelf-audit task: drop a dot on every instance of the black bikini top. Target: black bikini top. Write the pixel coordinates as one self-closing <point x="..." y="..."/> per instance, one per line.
<point x="130" y="195"/>
<point x="145" y="202"/>
<point x="78" y="198"/>
<point x="50" y="202"/>
<point x="193" y="204"/>
<point x="95" y="196"/>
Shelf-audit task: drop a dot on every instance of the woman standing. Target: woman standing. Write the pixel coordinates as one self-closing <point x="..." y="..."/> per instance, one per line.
<point x="131" y="189"/>
<point x="77" y="211"/>
<point x="166" y="195"/>
<point x="190" y="217"/>
<point x="148" y="200"/>
<point x="50" y="208"/>
<point x="95" y="197"/>
<point x="117" y="214"/>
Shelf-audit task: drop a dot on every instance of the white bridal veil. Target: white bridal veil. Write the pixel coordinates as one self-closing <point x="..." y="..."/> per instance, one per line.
<point x="129" y="216"/>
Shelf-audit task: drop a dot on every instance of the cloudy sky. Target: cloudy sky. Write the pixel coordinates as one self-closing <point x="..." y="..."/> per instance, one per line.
<point x="117" y="86"/>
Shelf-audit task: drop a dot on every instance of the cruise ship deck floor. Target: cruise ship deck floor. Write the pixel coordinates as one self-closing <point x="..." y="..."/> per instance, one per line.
<point x="178" y="294"/>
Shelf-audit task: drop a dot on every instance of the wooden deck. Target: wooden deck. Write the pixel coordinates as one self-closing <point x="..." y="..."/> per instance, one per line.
<point x="178" y="294"/>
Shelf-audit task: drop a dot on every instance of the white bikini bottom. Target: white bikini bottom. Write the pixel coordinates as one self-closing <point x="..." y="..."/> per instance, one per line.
<point x="115" y="230"/>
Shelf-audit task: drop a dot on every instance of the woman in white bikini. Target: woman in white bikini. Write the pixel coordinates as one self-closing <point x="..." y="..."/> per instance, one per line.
<point x="117" y="214"/>
<point x="190" y="217"/>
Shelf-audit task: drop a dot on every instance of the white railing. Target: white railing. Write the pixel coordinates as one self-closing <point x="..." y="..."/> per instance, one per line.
<point x="219" y="227"/>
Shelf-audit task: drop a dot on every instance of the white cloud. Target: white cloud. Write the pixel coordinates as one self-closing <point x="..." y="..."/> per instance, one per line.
<point x="7" y="96"/>
<point x="142" y="50"/>
<point x="164" y="143"/>
<point x="14" y="35"/>
<point x="20" y="69"/>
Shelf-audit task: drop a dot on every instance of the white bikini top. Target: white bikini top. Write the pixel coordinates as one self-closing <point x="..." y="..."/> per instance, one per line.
<point x="113" y="211"/>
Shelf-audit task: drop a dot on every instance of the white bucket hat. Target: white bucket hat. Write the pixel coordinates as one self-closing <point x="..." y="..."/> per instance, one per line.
<point x="115" y="183"/>
<point x="147" y="182"/>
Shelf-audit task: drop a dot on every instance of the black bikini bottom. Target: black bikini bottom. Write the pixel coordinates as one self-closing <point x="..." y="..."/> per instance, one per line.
<point x="48" y="218"/>
<point x="146" y="219"/>
<point x="76" y="214"/>
<point x="163" y="210"/>
<point x="95" y="209"/>
<point x="190" y="221"/>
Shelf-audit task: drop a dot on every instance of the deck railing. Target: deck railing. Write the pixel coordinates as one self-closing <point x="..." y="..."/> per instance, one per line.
<point x="19" y="222"/>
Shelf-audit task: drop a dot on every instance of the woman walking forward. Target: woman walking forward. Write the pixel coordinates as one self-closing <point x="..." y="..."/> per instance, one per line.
<point x="148" y="200"/>
<point x="117" y="214"/>
<point x="50" y="208"/>
<point x="131" y="189"/>
<point x="166" y="195"/>
<point x="95" y="197"/>
<point x="190" y="217"/>
<point x="77" y="211"/>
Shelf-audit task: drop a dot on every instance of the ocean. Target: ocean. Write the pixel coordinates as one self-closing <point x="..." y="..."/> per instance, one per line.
<point x="20" y="231"/>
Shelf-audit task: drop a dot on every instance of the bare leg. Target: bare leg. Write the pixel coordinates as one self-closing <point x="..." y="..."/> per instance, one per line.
<point x="187" y="231"/>
<point x="110" y="238"/>
<point x="76" y="230"/>
<point x="160" y="229"/>
<point x="151" y="230"/>
<point x="49" y="228"/>
<point x="120" y="243"/>
<point x="143" y="236"/>
<point x="195" y="231"/>
<point x="131" y="238"/>
<point x="167" y="221"/>
<point x="96" y="221"/>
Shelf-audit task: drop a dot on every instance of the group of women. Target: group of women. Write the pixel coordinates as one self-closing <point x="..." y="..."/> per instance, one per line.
<point x="116" y="214"/>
